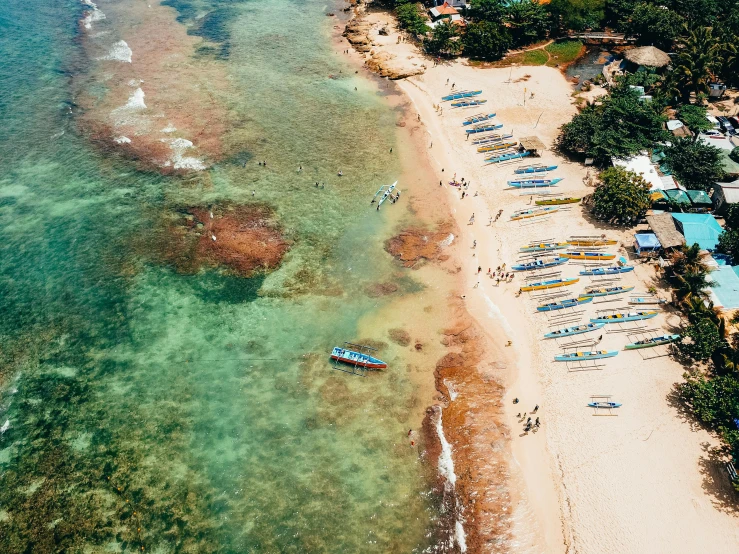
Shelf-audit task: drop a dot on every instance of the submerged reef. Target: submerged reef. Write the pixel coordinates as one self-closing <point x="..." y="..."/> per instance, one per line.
<point x="414" y="245"/>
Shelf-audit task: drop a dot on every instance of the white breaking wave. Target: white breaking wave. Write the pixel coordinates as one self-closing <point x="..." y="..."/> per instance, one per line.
<point x="179" y="160"/>
<point x="446" y="468"/>
<point x="135" y="102"/>
<point x="122" y="140"/>
<point x="447" y="241"/>
<point x="120" y="52"/>
<point x="92" y="16"/>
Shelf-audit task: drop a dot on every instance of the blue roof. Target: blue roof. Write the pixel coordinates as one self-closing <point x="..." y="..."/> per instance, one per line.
<point x="727" y="286"/>
<point x="647" y="240"/>
<point x="699" y="228"/>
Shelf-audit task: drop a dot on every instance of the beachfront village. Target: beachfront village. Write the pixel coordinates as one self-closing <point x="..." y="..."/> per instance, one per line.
<point x="591" y="153"/>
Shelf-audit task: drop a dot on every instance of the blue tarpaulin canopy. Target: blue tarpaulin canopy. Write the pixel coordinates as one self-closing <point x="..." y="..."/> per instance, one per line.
<point x="647" y="240"/>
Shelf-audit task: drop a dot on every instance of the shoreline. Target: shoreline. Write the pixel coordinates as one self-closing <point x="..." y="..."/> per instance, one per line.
<point x="560" y="491"/>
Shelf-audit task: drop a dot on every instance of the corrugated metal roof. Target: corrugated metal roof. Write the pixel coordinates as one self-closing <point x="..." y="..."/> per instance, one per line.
<point x="702" y="229"/>
<point x="678" y="196"/>
<point x="699" y="197"/>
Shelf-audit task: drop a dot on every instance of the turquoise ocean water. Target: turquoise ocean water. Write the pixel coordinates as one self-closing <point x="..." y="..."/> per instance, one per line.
<point x="142" y="408"/>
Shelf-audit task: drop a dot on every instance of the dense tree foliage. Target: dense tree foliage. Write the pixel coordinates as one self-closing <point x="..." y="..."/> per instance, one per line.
<point x="410" y="18"/>
<point x="444" y="39"/>
<point x="695" y="164"/>
<point x="527" y="21"/>
<point x="485" y="40"/>
<point x="577" y="14"/>
<point x="654" y="25"/>
<point x="703" y="339"/>
<point x="694" y="117"/>
<point x="622" y="197"/>
<point x="696" y="64"/>
<point x="620" y="125"/>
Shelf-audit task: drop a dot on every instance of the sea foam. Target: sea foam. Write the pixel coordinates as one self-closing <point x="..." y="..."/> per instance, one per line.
<point x="446" y="469"/>
<point x="119" y="52"/>
<point x="91" y="16"/>
<point x="179" y="160"/>
<point x="122" y="140"/>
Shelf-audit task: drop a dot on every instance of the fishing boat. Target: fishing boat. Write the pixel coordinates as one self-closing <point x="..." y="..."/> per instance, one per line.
<point x="647" y="300"/>
<point x="536" y="168"/>
<point x="551" y="284"/>
<point x="560" y="305"/>
<point x="533" y="183"/>
<point x="484" y="128"/>
<point x="539" y="264"/>
<point x="624" y="316"/>
<point x="494" y="137"/>
<point x="478" y="118"/>
<point x="356" y="358"/>
<point x="607" y="291"/>
<point x="557" y="201"/>
<point x="613" y="270"/>
<point x="606" y="405"/>
<point x="460" y="94"/>
<point x="591" y="241"/>
<point x="468" y="103"/>
<point x="588" y="255"/>
<point x="576" y="330"/>
<point x="654" y="341"/>
<point x="507" y="157"/>
<point x="533" y="212"/>
<point x="496" y="146"/>
<point x="587" y="355"/>
<point x="386" y="190"/>
<point x="542" y="246"/>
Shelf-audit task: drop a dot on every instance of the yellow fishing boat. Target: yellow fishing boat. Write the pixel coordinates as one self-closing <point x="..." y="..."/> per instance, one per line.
<point x="554" y="283"/>
<point x="494" y="147"/>
<point x="585" y="241"/>
<point x="588" y="255"/>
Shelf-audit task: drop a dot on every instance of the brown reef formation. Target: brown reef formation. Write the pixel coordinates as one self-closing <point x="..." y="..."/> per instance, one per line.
<point x="415" y="245"/>
<point x="244" y="239"/>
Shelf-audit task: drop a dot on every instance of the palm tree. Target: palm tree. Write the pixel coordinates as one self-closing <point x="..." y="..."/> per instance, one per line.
<point x="697" y="61"/>
<point x="686" y="259"/>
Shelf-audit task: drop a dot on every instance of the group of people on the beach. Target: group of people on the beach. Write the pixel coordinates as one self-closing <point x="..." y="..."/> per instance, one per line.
<point x="529" y="425"/>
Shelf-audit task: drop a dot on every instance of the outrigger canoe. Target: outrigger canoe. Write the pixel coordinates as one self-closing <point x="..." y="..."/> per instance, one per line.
<point x="607" y="291"/>
<point x="557" y="201"/>
<point x="588" y="355"/>
<point x="533" y="212"/>
<point x="533" y="183"/>
<point x="578" y="329"/>
<point x="654" y="341"/>
<point x="468" y="103"/>
<point x="496" y="146"/>
<point x="478" y="118"/>
<point x="588" y="255"/>
<point x="493" y="137"/>
<point x="551" y="284"/>
<point x="608" y="270"/>
<point x="647" y="300"/>
<point x="539" y="264"/>
<point x="537" y="168"/>
<point x="356" y="358"/>
<point x="607" y="405"/>
<point x="543" y="246"/>
<point x="585" y="241"/>
<point x="460" y="94"/>
<point x="507" y="157"/>
<point x="562" y="304"/>
<point x="484" y="128"/>
<point x="624" y="316"/>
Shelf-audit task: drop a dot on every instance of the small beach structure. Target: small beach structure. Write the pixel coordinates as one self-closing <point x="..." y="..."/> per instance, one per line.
<point x="533" y="145"/>
<point x="646" y="56"/>
<point x="723" y="285"/>
<point x="445" y="11"/>
<point x="646" y="245"/>
<point x="725" y="195"/>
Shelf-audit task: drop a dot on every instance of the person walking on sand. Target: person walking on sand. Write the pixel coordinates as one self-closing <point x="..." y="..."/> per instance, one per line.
<point x="472" y="219"/>
<point x="536" y="409"/>
<point x="479" y="269"/>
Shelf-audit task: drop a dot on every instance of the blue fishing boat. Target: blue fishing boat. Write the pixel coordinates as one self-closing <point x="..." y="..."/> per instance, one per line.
<point x="468" y="103"/>
<point x="624" y="316"/>
<point x="562" y="304"/>
<point x="647" y="300"/>
<point x="539" y="264"/>
<point x="356" y="358"/>
<point x="606" y="405"/>
<point x="533" y="183"/>
<point x="478" y="118"/>
<point x="552" y="283"/>
<point x="576" y="330"/>
<point x="607" y="291"/>
<point x="613" y="270"/>
<point x="460" y="94"/>
<point x="484" y="128"/>
<point x="587" y="355"/>
<point x="535" y="169"/>
<point x="492" y="139"/>
<point x="507" y="157"/>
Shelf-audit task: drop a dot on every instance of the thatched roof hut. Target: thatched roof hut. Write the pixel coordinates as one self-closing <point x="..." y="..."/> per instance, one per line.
<point x="647" y="55"/>
<point x="663" y="225"/>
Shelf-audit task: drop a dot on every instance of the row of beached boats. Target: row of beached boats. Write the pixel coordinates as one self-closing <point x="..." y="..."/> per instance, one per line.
<point x="600" y="354"/>
<point x="564" y="257"/>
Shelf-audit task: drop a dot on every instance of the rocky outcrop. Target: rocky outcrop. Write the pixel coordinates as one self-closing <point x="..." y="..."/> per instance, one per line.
<point x="390" y="66"/>
<point x="357" y="33"/>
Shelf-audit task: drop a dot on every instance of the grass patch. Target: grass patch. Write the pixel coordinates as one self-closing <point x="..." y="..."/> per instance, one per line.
<point x="564" y="52"/>
<point x="533" y="57"/>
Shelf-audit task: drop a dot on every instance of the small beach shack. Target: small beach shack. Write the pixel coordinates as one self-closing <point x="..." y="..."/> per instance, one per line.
<point x="533" y="145"/>
<point x="724" y="195"/>
<point x="663" y="227"/>
<point x="646" y="245"/>
<point x="701" y="229"/>
<point x="445" y="11"/>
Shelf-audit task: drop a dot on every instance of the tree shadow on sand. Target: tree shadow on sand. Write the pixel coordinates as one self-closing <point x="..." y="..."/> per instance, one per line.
<point x="716" y="482"/>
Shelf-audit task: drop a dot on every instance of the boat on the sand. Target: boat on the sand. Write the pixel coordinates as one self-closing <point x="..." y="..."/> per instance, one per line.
<point x="542" y="246"/>
<point x="606" y="405"/>
<point x="591" y="241"/>
<point x="478" y="118"/>
<point x="586" y="355"/>
<point x="539" y="264"/>
<point x="535" y="168"/>
<point x="496" y="146"/>
<point x="624" y="316"/>
<point x="562" y="304"/>
<point x="533" y="212"/>
<point x="468" y="103"/>
<point x="613" y="270"/>
<point x="507" y="157"/>
<point x="460" y="94"/>
<point x="557" y="201"/>
<point x="588" y="255"/>
<point x="551" y="284"/>
<point x="654" y="341"/>
<point x="576" y="330"/>
<point x="607" y="291"/>
<point x="533" y="183"/>
<point x="647" y="300"/>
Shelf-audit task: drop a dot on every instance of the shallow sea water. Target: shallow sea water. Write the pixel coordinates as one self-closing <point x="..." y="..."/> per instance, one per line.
<point x="197" y="413"/>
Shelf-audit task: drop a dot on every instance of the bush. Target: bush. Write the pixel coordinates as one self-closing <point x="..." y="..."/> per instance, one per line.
<point x="410" y="18"/>
<point x="485" y="40"/>
<point x="695" y="164"/>
<point x="622" y="198"/>
<point x="705" y="339"/>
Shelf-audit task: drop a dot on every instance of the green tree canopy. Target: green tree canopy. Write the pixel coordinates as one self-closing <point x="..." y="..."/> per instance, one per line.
<point x="696" y="63"/>
<point x="695" y="164"/>
<point x="704" y="340"/>
<point x="485" y="40"/>
<point x="694" y="117"/>
<point x="444" y="39"/>
<point x="715" y="402"/>
<point x="487" y="10"/>
<point x="728" y="243"/>
<point x="622" y="198"/>
<point x="527" y="20"/>
<point x="652" y="24"/>
<point x="578" y="14"/>
<point x="410" y="18"/>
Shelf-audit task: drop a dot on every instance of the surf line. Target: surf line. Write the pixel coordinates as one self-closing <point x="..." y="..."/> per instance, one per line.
<point x="446" y="469"/>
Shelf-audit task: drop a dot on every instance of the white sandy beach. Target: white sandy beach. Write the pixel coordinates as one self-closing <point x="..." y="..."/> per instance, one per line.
<point x="638" y="481"/>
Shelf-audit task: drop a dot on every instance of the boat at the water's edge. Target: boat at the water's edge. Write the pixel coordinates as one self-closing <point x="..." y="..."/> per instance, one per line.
<point x="358" y="359"/>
